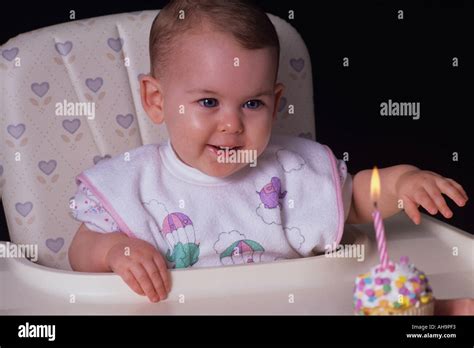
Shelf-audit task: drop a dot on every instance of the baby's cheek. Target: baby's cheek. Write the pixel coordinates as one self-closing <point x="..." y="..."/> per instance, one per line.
<point x="196" y="120"/>
<point x="258" y="118"/>
<point x="262" y="140"/>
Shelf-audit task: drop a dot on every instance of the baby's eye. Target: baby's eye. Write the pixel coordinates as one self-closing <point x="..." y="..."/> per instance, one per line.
<point x="208" y="102"/>
<point x="253" y="104"/>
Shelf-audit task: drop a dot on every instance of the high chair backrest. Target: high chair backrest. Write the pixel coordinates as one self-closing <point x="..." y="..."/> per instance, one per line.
<point x="97" y="60"/>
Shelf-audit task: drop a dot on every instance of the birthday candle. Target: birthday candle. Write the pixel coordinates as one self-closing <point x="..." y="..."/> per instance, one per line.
<point x="380" y="234"/>
<point x="378" y="221"/>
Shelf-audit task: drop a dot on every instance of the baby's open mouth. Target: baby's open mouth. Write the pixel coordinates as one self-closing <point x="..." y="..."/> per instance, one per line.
<point x="223" y="150"/>
<point x="225" y="147"/>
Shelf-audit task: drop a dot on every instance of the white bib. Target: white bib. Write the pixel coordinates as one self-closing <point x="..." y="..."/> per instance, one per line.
<point x="287" y="206"/>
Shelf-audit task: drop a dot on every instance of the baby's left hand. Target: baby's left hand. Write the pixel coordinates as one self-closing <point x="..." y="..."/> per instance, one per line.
<point x="420" y="187"/>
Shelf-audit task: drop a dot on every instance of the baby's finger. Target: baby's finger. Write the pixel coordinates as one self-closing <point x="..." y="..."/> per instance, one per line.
<point x="459" y="187"/>
<point x="164" y="271"/>
<point x="154" y="274"/>
<point x="130" y="280"/>
<point x="439" y="200"/>
<point x="448" y="188"/>
<point x="411" y="210"/>
<point x="144" y="280"/>
<point x="424" y="199"/>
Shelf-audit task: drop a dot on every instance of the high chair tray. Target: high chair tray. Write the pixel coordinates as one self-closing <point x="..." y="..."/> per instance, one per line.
<point x="314" y="285"/>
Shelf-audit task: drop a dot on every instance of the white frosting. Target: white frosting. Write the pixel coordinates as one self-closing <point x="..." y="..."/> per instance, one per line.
<point x="400" y="285"/>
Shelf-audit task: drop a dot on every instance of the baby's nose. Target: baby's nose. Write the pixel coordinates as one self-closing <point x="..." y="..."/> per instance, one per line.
<point x="231" y="123"/>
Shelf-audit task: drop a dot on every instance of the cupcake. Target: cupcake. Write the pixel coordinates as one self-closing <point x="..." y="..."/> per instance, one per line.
<point x="399" y="289"/>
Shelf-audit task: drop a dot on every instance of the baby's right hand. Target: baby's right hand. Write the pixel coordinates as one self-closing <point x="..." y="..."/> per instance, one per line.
<point x="142" y="267"/>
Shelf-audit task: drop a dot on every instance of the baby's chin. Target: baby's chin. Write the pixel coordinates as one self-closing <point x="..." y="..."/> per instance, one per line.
<point x="222" y="170"/>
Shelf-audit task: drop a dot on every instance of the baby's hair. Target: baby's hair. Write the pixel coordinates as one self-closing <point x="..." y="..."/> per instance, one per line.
<point x="247" y="23"/>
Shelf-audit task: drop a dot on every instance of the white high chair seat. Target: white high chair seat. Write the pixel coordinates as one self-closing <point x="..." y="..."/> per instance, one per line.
<point x="93" y="60"/>
<point x="84" y="61"/>
<point x="311" y="285"/>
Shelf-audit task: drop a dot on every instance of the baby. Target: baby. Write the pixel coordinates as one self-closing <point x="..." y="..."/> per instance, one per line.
<point x="223" y="190"/>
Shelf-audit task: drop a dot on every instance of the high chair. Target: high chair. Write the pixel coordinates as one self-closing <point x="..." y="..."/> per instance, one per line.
<point x="100" y="60"/>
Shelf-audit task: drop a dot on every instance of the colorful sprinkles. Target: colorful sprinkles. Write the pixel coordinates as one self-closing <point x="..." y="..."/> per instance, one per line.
<point x="398" y="287"/>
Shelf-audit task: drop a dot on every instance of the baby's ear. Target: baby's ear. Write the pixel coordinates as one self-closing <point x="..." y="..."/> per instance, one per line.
<point x="279" y="89"/>
<point x="152" y="98"/>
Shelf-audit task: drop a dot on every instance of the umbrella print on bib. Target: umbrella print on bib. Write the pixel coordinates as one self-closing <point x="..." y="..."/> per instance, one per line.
<point x="178" y="231"/>
<point x="243" y="251"/>
<point x="235" y="248"/>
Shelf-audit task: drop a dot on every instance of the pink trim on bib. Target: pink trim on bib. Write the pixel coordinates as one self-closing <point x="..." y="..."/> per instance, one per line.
<point x="340" y="206"/>
<point x="106" y="204"/>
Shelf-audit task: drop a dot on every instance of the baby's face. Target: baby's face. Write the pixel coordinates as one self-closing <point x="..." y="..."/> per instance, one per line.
<point x="215" y="93"/>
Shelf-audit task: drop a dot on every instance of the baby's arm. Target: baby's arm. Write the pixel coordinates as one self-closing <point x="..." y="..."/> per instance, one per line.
<point x="414" y="187"/>
<point x="139" y="264"/>
<point x="88" y="249"/>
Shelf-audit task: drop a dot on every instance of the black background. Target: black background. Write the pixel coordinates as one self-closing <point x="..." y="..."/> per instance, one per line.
<point x="407" y="60"/>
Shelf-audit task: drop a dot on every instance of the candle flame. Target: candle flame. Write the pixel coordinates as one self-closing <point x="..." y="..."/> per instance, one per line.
<point x="375" y="185"/>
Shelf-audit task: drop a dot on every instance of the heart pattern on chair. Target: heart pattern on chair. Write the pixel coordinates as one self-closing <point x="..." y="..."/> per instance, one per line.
<point x="82" y="61"/>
